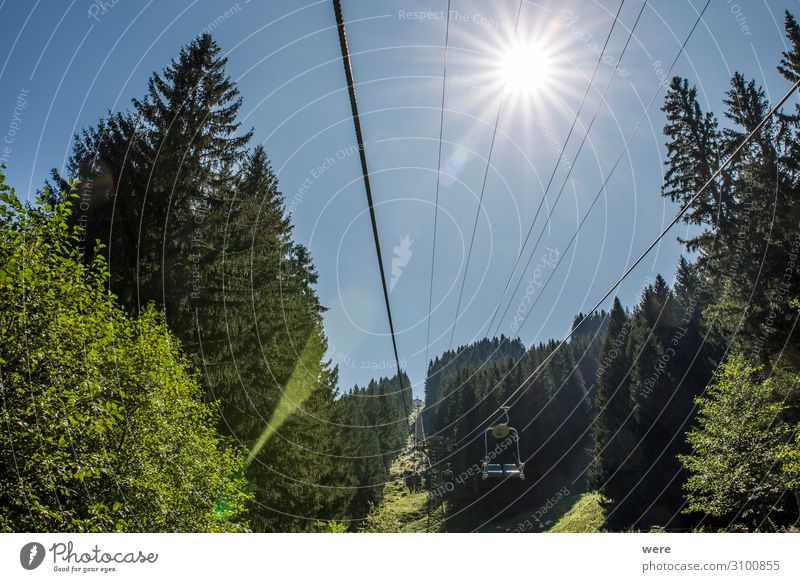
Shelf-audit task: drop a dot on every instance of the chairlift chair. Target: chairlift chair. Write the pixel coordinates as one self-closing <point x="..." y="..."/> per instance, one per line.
<point x="502" y="470"/>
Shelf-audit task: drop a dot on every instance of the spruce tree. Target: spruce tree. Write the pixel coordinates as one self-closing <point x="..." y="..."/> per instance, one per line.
<point x="693" y="146"/>
<point x="614" y="421"/>
<point x="193" y="142"/>
<point x="790" y="63"/>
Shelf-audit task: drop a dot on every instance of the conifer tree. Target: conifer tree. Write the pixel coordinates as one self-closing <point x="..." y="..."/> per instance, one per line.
<point x="614" y="422"/>
<point x="193" y="141"/>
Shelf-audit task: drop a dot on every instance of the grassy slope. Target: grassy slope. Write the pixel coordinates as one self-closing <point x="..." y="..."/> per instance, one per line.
<point x="585" y="516"/>
<point x="536" y="519"/>
<point x="400" y="510"/>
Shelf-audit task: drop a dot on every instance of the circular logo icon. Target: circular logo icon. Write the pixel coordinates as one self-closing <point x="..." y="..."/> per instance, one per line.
<point x="31" y="555"/>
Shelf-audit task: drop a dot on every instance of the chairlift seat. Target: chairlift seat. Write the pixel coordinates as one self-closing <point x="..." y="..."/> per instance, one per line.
<point x="503" y="470"/>
<point x="513" y="470"/>
<point x="494" y="470"/>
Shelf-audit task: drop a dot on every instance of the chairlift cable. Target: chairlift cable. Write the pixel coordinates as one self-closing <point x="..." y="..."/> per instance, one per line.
<point x="348" y="71"/>
<point x="438" y="180"/>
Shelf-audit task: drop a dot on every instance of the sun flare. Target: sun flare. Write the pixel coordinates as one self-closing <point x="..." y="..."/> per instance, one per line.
<point x="526" y="69"/>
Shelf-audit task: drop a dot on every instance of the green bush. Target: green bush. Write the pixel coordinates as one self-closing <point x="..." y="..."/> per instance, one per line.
<point x="741" y="466"/>
<point x="104" y="427"/>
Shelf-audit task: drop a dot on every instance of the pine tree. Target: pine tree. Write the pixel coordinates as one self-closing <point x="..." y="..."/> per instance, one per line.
<point x="693" y="146"/>
<point x="614" y="421"/>
<point x="192" y="140"/>
<point x="652" y="388"/>
<point x="790" y="63"/>
<point x="108" y="162"/>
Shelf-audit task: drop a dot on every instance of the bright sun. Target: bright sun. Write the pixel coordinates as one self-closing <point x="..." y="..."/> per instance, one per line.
<point x="526" y="68"/>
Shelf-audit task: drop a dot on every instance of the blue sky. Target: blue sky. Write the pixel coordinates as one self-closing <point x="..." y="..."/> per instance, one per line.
<point x="70" y="62"/>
